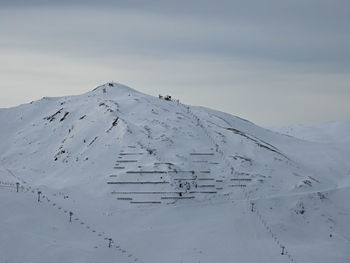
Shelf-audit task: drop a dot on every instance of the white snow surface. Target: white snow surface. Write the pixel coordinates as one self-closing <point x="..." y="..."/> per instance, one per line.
<point x="168" y="182"/>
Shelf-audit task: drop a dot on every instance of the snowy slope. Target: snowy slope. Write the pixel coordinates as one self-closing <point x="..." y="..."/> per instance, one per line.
<point x="335" y="135"/>
<point x="335" y="132"/>
<point x="168" y="182"/>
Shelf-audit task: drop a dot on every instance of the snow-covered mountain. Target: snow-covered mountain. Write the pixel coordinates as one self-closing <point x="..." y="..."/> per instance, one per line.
<point x="166" y="182"/>
<point x="335" y="134"/>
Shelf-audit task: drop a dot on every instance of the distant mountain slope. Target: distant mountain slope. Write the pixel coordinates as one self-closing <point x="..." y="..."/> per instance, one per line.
<point x="333" y="135"/>
<point x="154" y="172"/>
<point x="330" y="132"/>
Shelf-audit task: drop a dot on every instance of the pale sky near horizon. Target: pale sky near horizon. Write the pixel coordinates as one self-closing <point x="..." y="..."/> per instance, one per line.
<point x="272" y="62"/>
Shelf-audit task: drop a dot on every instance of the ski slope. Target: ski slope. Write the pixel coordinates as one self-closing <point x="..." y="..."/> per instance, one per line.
<point x="166" y="182"/>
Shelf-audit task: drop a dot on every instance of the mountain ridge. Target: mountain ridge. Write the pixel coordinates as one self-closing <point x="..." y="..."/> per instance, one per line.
<point x="113" y="153"/>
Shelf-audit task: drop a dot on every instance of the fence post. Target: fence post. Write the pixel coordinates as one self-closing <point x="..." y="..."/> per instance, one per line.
<point x="282" y="253"/>
<point x="39" y="193"/>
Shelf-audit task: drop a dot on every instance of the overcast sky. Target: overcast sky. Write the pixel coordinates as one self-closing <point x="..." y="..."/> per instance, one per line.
<point x="272" y="62"/>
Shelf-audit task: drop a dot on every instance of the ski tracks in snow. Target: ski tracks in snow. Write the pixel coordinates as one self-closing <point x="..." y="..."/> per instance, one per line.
<point x="43" y="197"/>
<point x="284" y="251"/>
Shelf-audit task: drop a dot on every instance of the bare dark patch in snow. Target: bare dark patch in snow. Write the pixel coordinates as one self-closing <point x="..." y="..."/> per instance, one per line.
<point x="64" y="117"/>
<point x="53" y="116"/>
<point x="93" y="141"/>
<point x="115" y="122"/>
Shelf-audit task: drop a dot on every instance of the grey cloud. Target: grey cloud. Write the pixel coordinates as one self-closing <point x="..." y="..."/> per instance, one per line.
<point x="264" y="36"/>
<point x="299" y="51"/>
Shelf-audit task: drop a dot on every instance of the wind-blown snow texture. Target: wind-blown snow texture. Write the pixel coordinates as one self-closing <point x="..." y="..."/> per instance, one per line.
<point x="166" y="182"/>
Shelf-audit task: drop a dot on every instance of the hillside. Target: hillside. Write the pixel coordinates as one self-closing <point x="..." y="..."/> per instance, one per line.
<point x="167" y="182"/>
<point x="334" y="134"/>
